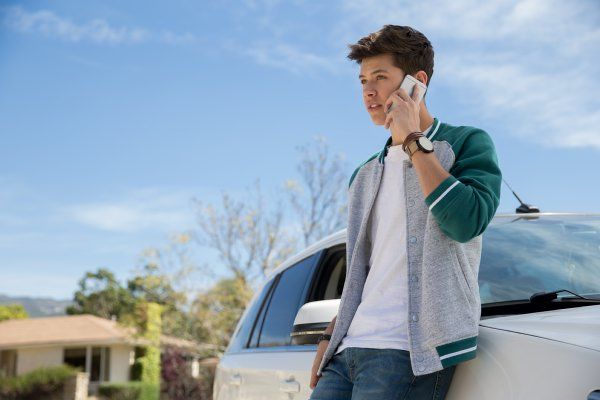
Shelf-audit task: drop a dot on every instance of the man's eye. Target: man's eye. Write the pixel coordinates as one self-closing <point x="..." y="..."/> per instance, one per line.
<point x="363" y="81"/>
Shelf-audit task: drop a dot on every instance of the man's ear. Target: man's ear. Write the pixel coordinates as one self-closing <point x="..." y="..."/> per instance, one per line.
<point x="422" y="77"/>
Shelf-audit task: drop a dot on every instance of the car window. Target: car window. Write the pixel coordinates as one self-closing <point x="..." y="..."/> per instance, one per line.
<point x="261" y="316"/>
<point x="288" y="296"/>
<point x="241" y="335"/>
<point x="330" y="276"/>
<point x="524" y="256"/>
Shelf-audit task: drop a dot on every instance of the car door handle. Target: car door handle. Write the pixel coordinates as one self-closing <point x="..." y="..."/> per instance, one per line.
<point x="235" y="380"/>
<point x="289" y="386"/>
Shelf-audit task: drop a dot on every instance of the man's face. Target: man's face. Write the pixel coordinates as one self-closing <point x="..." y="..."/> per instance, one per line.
<point x="379" y="77"/>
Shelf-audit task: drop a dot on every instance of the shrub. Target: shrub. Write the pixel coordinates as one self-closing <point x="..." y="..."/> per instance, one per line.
<point x="177" y="382"/>
<point x="128" y="391"/>
<point x="37" y="384"/>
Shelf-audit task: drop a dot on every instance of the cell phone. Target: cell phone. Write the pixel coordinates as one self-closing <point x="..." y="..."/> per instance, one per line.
<point x="408" y="85"/>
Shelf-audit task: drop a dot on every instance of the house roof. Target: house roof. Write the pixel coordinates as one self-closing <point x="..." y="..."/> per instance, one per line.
<point x="71" y="329"/>
<point x="77" y="330"/>
<point x="181" y="343"/>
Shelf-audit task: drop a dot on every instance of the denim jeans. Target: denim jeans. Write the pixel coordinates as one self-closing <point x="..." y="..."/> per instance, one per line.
<point x="378" y="374"/>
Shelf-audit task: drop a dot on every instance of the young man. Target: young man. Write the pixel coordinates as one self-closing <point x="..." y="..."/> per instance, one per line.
<point x="410" y="306"/>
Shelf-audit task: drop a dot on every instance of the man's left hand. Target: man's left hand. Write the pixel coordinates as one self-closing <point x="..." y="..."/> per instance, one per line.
<point x="403" y="116"/>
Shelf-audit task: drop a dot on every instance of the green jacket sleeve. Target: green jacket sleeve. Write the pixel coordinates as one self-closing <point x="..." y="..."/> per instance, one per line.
<point x="465" y="202"/>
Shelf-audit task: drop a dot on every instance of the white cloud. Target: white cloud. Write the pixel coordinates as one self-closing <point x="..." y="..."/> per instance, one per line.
<point x="143" y="210"/>
<point x="174" y="38"/>
<point x="531" y="63"/>
<point x="474" y="20"/>
<point x="545" y="107"/>
<point x="254" y="4"/>
<point x="98" y="31"/>
<point x="288" y="57"/>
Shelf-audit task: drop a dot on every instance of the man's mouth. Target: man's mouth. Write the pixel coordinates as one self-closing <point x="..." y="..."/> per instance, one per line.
<point x="373" y="107"/>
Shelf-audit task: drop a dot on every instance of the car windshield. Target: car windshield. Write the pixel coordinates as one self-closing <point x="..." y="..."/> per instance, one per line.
<point x="525" y="255"/>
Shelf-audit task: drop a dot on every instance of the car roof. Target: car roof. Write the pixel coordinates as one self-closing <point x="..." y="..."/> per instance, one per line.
<point x="339" y="237"/>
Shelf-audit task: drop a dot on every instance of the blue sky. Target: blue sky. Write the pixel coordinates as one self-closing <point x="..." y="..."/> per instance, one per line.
<point x="115" y="114"/>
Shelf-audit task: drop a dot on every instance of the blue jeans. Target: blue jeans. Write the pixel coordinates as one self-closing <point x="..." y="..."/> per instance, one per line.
<point x="378" y="374"/>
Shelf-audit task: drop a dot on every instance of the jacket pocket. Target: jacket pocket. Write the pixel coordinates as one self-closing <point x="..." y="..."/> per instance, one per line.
<point x="460" y="276"/>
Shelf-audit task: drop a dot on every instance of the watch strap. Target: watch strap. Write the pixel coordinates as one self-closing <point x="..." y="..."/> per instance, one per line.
<point x="410" y="138"/>
<point x="412" y="148"/>
<point x="323" y="336"/>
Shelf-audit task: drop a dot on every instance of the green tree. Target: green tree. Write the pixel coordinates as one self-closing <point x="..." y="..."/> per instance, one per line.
<point x="151" y="285"/>
<point x="217" y="311"/>
<point x="101" y="294"/>
<point x="12" y="311"/>
<point x="151" y="360"/>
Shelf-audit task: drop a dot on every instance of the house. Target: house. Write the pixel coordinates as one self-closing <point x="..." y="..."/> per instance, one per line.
<point x="101" y="347"/>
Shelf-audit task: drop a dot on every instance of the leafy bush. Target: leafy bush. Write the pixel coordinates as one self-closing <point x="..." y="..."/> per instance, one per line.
<point x="12" y="311"/>
<point x="177" y="381"/>
<point x="150" y="391"/>
<point x="135" y="372"/>
<point x="120" y="391"/>
<point x="37" y="384"/>
<point x="128" y="391"/>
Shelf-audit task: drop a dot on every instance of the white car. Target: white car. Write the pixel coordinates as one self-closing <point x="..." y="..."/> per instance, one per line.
<point x="541" y="347"/>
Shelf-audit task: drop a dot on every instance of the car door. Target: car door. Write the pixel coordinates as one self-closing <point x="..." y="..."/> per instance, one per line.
<point x="282" y="367"/>
<point x="262" y="361"/>
<point x="229" y="380"/>
<point x="326" y="283"/>
<point x="270" y="355"/>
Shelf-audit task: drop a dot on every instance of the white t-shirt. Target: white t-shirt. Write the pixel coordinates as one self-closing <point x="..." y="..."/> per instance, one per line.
<point x="381" y="319"/>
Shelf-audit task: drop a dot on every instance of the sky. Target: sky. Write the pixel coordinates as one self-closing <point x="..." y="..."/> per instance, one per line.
<point x="114" y="115"/>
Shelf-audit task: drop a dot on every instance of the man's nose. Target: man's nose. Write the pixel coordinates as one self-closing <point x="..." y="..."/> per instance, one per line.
<point x="368" y="92"/>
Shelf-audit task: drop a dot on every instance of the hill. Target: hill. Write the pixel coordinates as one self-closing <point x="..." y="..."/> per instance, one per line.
<point x="38" y="306"/>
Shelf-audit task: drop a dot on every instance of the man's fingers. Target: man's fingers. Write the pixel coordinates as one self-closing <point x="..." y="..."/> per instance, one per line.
<point x="415" y="93"/>
<point x="388" y="121"/>
<point x="402" y="94"/>
<point x="313" y="381"/>
<point x="395" y="98"/>
<point x="389" y="104"/>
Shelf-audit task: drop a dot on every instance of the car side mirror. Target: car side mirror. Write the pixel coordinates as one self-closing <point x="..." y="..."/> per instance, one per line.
<point x="312" y="319"/>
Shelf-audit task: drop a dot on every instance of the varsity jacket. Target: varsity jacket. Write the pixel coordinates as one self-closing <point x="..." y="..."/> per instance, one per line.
<point x="443" y="246"/>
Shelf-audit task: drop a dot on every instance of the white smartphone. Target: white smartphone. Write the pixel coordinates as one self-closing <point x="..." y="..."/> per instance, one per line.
<point x="408" y="85"/>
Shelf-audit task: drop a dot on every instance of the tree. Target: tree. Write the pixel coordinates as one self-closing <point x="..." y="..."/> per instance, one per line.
<point x="12" y="311"/>
<point x="217" y="311"/>
<point x="247" y="236"/>
<point x="151" y="360"/>
<point x="319" y="198"/>
<point x="101" y="294"/>
<point x="151" y="285"/>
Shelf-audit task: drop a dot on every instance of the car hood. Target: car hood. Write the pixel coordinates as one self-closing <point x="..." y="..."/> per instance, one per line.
<point x="579" y="326"/>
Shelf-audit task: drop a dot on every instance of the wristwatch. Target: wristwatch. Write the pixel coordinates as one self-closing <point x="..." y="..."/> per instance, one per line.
<point x="421" y="143"/>
<point x="323" y="336"/>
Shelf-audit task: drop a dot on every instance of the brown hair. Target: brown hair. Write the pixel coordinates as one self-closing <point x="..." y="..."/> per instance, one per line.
<point x="411" y="50"/>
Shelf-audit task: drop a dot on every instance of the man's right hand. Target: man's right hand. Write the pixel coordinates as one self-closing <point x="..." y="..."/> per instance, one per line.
<point x="317" y="362"/>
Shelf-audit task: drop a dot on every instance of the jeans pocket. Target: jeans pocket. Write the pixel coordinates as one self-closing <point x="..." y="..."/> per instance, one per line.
<point x="409" y="388"/>
<point x="438" y="379"/>
<point x="442" y="382"/>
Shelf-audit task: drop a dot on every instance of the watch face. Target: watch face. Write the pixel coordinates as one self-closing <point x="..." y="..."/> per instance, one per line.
<point x="425" y="144"/>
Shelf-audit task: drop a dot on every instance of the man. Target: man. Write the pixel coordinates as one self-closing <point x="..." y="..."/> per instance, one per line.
<point x="410" y="306"/>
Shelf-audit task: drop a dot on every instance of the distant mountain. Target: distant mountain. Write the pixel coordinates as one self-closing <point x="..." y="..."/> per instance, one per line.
<point x="38" y="306"/>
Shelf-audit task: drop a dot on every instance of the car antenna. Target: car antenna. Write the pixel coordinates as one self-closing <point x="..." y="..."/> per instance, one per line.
<point x="524" y="208"/>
